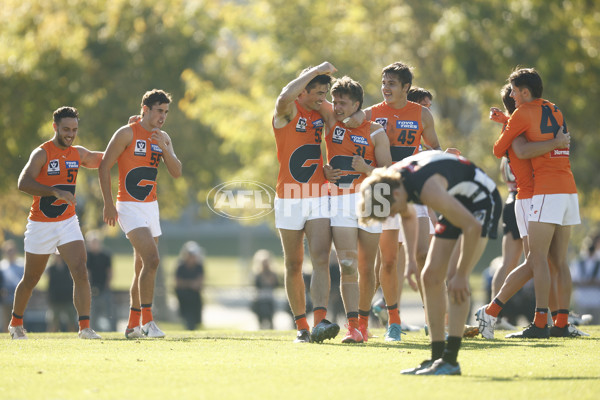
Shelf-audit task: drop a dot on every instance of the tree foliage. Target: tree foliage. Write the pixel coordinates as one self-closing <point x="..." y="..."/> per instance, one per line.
<point x="226" y="61"/>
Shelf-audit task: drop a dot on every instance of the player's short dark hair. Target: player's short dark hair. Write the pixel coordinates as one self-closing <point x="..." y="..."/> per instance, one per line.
<point x="509" y="102"/>
<point x="317" y="80"/>
<point x="65" y="112"/>
<point x="527" y="78"/>
<point x="402" y="72"/>
<point x="417" y="94"/>
<point x="155" y="96"/>
<point x="347" y="86"/>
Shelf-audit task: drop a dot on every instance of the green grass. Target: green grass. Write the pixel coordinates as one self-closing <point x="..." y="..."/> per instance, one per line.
<point x="267" y="365"/>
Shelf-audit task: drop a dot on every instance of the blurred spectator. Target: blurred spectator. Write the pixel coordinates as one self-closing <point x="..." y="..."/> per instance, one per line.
<point x="585" y="272"/>
<point x="265" y="281"/>
<point x="61" y="315"/>
<point x="11" y="272"/>
<point x="99" y="265"/>
<point x="189" y="283"/>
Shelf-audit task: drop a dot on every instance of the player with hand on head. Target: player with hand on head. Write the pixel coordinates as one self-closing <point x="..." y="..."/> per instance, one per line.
<point x="302" y="200"/>
<point x="50" y="177"/>
<point x="138" y="148"/>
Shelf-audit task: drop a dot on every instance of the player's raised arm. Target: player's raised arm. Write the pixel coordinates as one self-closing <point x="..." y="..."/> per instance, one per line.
<point x="285" y="109"/>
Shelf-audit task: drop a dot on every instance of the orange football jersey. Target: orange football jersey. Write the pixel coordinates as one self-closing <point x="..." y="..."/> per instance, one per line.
<point x="540" y="120"/>
<point x="343" y="144"/>
<point x="299" y="155"/>
<point x="403" y="126"/>
<point x="138" y="167"/>
<point x="60" y="170"/>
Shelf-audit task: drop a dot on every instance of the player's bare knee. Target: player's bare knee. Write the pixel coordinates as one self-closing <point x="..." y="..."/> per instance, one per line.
<point x="430" y="277"/>
<point x="348" y="266"/>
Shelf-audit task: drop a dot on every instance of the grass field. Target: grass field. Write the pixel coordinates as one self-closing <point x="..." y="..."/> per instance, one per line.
<point x="267" y="365"/>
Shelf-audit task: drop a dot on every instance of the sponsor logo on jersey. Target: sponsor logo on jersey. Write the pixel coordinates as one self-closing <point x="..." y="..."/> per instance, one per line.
<point x="140" y="148"/>
<point x="382" y="122"/>
<point x="72" y="164"/>
<point x="402" y="124"/>
<point x="359" y="140"/>
<point x="338" y="135"/>
<point x="559" y="153"/>
<point x="301" y="125"/>
<point x="54" y="167"/>
<point x="318" y="123"/>
<point x="155" y="148"/>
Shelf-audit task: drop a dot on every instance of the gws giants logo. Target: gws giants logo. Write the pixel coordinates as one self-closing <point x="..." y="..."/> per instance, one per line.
<point x="140" y="148"/>
<point x="241" y="200"/>
<point x="54" y="167"/>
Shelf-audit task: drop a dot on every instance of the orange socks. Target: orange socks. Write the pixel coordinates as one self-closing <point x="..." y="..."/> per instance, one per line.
<point x="393" y="314"/>
<point x="84" y="322"/>
<point x="146" y="313"/>
<point x="134" y="318"/>
<point x="562" y="318"/>
<point x="363" y="317"/>
<point x="319" y="314"/>
<point x="353" y="322"/>
<point x="301" y="322"/>
<point x="494" y="308"/>
<point x="16" y="320"/>
<point x="541" y="317"/>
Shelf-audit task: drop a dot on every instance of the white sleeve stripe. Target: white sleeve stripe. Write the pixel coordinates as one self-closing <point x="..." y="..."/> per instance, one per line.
<point x="377" y="131"/>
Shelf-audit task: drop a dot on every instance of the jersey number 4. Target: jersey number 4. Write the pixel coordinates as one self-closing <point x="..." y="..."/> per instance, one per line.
<point x="548" y="124"/>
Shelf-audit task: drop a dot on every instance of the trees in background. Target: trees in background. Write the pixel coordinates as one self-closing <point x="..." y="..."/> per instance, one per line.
<point x="226" y="61"/>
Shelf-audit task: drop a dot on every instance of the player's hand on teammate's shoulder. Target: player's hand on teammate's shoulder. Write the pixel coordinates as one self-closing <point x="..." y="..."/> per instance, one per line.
<point x="134" y="119"/>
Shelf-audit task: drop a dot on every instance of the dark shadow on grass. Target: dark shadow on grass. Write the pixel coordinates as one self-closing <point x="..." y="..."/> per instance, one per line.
<point x="534" y="378"/>
<point x="491" y="344"/>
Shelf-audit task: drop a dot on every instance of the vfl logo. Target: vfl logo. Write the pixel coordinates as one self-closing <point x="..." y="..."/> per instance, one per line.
<point x="241" y="200"/>
<point x="382" y="122"/>
<point x="140" y="148"/>
<point x="301" y="125"/>
<point x="338" y="135"/>
<point x="54" y="167"/>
